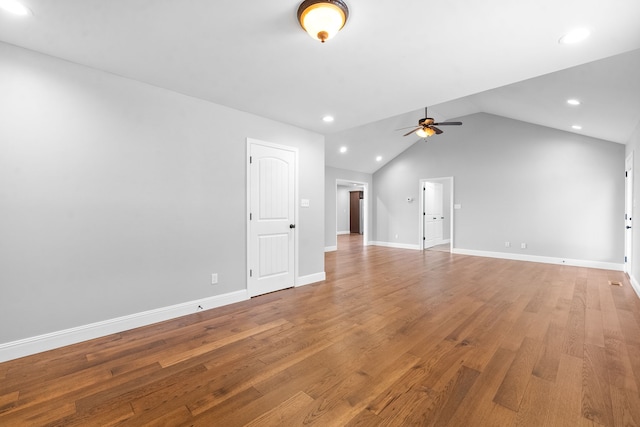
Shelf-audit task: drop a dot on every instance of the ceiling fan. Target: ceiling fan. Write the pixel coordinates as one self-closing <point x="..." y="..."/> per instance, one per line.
<point x="427" y="126"/>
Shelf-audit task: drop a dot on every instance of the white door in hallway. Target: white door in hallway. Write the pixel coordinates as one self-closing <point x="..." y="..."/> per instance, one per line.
<point x="271" y="201"/>
<point x="628" y="216"/>
<point x="433" y="214"/>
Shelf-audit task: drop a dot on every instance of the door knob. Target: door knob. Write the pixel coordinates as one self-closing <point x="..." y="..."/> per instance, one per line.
<point x="292" y="226"/>
<point x="628" y="227"/>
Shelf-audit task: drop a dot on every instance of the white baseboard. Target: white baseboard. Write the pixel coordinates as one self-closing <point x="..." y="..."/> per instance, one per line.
<point x="311" y="278"/>
<point x="396" y="245"/>
<point x="542" y="259"/>
<point x="330" y="248"/>
<point x="343" y="232"/>
<point x="40" y="343"/>
<point x="635" y="285"/>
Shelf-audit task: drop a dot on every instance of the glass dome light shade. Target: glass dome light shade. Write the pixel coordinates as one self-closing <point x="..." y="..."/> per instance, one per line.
<point x="322" y="19"/>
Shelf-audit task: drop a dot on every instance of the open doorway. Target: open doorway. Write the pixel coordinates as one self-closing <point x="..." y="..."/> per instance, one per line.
<point x="436" y="214"/>
<point x="352" y="213"/>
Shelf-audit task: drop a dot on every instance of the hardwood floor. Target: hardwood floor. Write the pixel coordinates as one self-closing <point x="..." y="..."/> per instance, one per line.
<point x="392" y="337"/>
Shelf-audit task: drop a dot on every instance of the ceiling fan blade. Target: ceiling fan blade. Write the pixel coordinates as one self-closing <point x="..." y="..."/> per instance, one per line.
<point x="438" y="131"/>
<point x="409" y="133"/>
<point x="405" y="127"/>
<point x="448" y="123"/>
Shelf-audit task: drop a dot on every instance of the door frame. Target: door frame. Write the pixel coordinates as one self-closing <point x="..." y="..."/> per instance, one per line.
<point x="365" y="190"/>
<point x="450" y="181"/>
<point x="628" y="211"/>
<point x="296" y="245"/>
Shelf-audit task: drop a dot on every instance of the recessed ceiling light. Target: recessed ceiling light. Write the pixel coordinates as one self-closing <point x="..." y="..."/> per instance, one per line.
<point x="574" y="36"/>
<point x="327" y="119"/>
<point x="576" y="127"/>
<point x="15" y="7"/>
<point x="378" y="158"/>
<point x="573" y="102"/>
<point x="343" y="149"/>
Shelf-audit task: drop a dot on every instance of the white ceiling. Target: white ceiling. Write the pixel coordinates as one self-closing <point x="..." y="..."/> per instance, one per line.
<point x="390" y="59"/>
<point x="609" y="91"/>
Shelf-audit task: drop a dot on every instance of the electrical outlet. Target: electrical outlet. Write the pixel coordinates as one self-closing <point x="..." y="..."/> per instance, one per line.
<point x="214" y="278"/>
<point x="507" y="244"/>
<point x="523" y="246"/>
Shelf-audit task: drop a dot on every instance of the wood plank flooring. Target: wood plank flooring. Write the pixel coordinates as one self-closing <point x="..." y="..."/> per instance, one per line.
<point x="393" y="337"/>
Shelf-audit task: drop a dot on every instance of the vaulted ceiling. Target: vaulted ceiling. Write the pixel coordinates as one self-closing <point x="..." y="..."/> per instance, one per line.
<point x="390" y="60"/>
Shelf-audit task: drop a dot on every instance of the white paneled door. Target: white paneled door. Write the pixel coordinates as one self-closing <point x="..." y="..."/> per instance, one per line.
<point x="433" y="214"/>
<point x="271" y="218"/>
<point x="628" y="216"/>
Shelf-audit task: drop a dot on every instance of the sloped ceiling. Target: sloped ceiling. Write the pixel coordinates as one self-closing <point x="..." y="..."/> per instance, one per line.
<point x="608" y="89"/>
<point x="392" y="58"/>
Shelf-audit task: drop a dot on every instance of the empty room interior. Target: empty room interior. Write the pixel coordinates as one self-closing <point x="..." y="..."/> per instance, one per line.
<point x="319" y="213"/>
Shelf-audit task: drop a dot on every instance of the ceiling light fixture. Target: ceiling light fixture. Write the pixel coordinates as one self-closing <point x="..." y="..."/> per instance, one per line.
<point x="378" y="158"/>
<point x="323" y="19"/>
<point x="327" y="119"/>
<point x="573" y="102"/>
<point x="574" y="36"/>
<point x="425" y="132"/>
<point x="343" y="149"/>
<point x="15" y="7"/>
<point x="576" y="127"/>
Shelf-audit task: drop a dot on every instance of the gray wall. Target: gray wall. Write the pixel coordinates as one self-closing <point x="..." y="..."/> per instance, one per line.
<point x="633" y="146"/>
<point x="561" y="193"/>
<point x="331" y="175"/>
<point x="117" y="197"/>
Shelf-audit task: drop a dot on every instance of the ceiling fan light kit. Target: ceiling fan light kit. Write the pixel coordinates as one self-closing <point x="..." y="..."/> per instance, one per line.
<point x="425" y="132"/>
<point x="426" y="126"/>
<point x="322" y="19"/>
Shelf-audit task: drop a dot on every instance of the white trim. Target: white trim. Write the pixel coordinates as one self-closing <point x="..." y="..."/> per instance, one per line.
<point x="330" y="248"/>
<point x="343" y="232"/>
<point x="311" y="278"/>
<point x="40" y="343"/>
<point x="542" y="259"/>
<point x="635" y="285"/>
<point x="396" y="245"/>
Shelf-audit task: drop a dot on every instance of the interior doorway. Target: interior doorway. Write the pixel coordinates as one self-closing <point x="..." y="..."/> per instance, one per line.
<point x="356" y="211"/>
<point x="352" y="211"/>
<point x="436" y="214"/>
